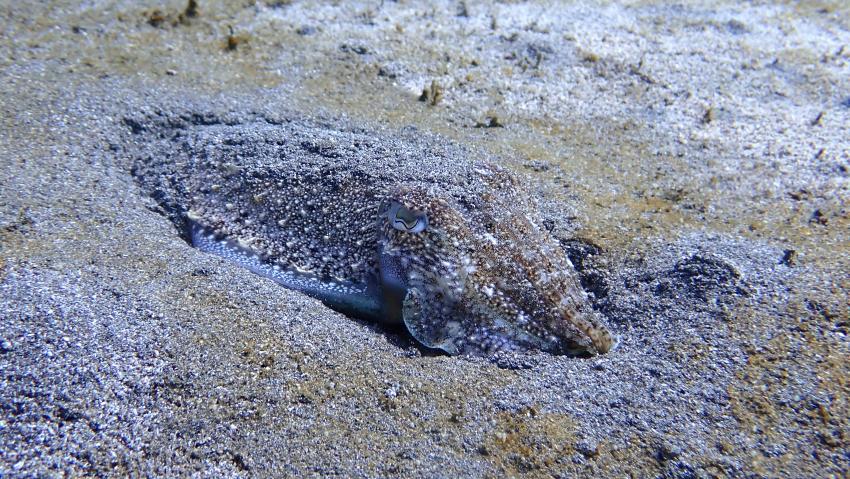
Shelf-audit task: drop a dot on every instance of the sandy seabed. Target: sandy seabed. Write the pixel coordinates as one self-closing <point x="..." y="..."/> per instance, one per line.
<point x="693" y="159"/>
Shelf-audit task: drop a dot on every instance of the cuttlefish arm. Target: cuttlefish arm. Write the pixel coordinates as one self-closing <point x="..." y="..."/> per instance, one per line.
<point x="360" y="301"/>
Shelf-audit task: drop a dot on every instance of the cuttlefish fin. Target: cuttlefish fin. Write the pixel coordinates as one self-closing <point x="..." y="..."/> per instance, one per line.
<point x="359" y="301"/>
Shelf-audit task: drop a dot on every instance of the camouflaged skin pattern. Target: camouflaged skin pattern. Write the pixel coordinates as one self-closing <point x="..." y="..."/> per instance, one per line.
<point x="407" y="225"/>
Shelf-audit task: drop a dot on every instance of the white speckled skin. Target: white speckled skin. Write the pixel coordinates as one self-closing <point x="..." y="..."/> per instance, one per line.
<point x="317" y="208"/>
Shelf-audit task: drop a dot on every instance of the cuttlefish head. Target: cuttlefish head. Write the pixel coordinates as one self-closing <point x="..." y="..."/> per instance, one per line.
<point x="478" y="274"/>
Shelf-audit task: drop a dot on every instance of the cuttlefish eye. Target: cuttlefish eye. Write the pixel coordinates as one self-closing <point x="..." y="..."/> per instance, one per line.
<point x="405" y="219"/>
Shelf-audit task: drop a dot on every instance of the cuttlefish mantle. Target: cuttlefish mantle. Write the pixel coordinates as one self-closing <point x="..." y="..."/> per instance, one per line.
<point x="401" y="229"/>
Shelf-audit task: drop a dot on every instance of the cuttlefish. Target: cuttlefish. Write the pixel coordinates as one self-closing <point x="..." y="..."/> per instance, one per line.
<point x="399" y="228"/>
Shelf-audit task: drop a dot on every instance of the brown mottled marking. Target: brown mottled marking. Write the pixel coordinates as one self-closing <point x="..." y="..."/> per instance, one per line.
<point x="406" y="229"/>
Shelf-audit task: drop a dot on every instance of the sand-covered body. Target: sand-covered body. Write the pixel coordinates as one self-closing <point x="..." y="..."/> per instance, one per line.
<point x="315" y="202"/>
